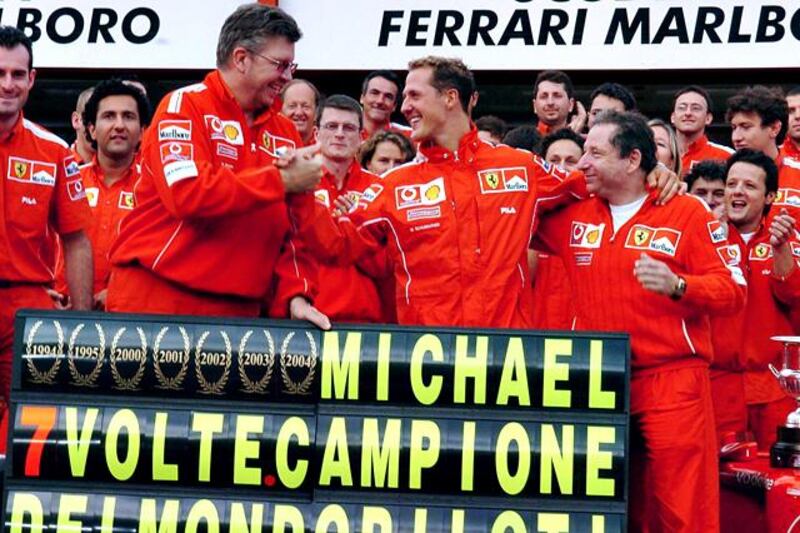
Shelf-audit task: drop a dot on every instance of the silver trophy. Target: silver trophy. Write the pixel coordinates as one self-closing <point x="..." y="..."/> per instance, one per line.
<point x="785" y="453"/>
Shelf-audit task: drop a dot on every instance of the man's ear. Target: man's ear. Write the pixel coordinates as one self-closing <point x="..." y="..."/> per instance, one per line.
<point x="634" y="160"/>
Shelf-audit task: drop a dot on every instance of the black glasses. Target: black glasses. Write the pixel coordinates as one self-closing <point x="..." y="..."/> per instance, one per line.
<point x="282" y="66"/>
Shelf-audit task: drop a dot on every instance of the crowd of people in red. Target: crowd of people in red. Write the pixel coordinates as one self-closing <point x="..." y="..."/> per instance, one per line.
<point x="250" y="194"/>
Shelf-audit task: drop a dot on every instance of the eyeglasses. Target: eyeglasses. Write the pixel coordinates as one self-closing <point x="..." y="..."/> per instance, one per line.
<point x="281" y="66"/>
<point x="333" y="127"/>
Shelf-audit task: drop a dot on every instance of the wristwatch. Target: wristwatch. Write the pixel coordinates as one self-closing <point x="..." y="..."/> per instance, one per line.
<point x="680" y="289"/>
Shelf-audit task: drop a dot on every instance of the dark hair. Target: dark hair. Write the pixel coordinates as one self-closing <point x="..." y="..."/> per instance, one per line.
<point x="526" y="137"/>
<point x="554" y="76"/>
<point x="616" y="91"/>
<point x="388" y="75"/>
<point x="367" y="149"/>
<point x="494" y="125"/>
<point x="564" y="134"/>
<point x="709" y="170"/>
<point x="794" y="91"/>
<point x="113" y="87"/>
<point x="632" y="133"/>
<point x="343" y="102"/>
<point x="694" y="89"/>
<point x="296" y="81"/>
<point x="252" y="24"/>
<point x="769" y="104"/>
<point x="448" y="73"/>
<point x="11" y="37"/>
<point x="759" y="159"/>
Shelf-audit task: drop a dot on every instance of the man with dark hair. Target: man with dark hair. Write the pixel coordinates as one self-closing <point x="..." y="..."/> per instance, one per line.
<point x="610" y="97"/>
<point x="458" y="222"/>
<point x="114" y="117"/>
<point x="491" y="129"/>
<point x="210" y="233"/>
<point x="758" y="117"/>
<point x="692" y="112"/>
<point x="707" y="181"/>
<point x="379" y="93"/>
<point x="81" y="149"/>
<point x="300" y="101"/>
<point x="553" y="101"/>
<point x="791" y="146"/>
<point x="526" y="137"/>
<point x="339" y="123"/>
<point x="563" y="147"/>
<point x="654" y="272"/>
<point x="769" y="242"/>
<point x="42" y="195"/>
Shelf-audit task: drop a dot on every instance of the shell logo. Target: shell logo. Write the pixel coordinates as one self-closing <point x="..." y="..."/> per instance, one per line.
<point x="432" y="193"/>
<point x="592" y="236"/>
<point x="230" y="132"/>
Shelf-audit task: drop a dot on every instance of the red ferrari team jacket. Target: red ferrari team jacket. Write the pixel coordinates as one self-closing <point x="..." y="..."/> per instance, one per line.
<point x="769" y="300"/>
<point x="790" y="149"/>
<point x="457" y="227"/>
<point x="608" y="297"/>
<point x="210" y="209"/>
<point x="349" y="291"/>
<point x="701" y="150"/>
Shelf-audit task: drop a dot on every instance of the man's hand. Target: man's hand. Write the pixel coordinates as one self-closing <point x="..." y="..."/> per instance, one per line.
<point x="301" y="309"/>
<point x="301" y="170"/>
<point x="578" y="120"/>
<point x="99" y="300"/>
<point x="80" y="269"/>
<point x="667" y="182"/>
<point x="342" y="205"/>
<point x="781" y="231"/>
<point x="655" y="275"/>
<point x="60" y="301"/>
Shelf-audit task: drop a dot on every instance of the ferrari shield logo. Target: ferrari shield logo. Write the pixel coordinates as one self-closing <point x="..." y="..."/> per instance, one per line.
<point x="492" y="180"/>
<point x="640" y="236"/>
<point x="20" y="169"/>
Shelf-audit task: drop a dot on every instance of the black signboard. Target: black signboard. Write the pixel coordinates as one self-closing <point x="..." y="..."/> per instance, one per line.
<point x="147" y="422"/>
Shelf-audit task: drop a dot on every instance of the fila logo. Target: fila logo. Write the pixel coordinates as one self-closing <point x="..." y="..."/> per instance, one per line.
<point x="28" y="201"/>
<point x="508" y="210"/>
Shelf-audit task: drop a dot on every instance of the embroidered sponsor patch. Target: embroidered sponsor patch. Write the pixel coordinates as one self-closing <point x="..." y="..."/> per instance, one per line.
<point x="664" y="240"/>
<point x="497" y="180"/>
<point x="92" y="195"/>
<point x="583" y="258"/>
<point x="420" y="213"/>
<point x="175" y="130"/>
<point x="717" y="231"/>
<point x="75" y="190"/>
<point x="370" y="194"/>
<point x="125" y="200"/>
<point x="176" y="151"/>
<point x="795" y="248"/>
<point x="274" y="145"/>
<point x="585" y="235"/>
<point x="30" y="171"/>
<point x="179" y="170"/>
<point x="227" y="151"/>
<point x="229" y="131"/>
<point x="760" y="252"/>
<point x="430" y="193"/>
<point x="322" y="196"/>
<point x="71" y="167"/>
<point x="787" y="197"/>
<point x="730" y="255"/>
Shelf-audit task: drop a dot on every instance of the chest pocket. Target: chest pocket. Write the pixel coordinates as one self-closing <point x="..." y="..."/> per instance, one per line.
<point x="27" y="206"/>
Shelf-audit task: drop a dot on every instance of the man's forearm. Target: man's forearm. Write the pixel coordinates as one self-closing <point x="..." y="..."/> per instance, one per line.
<point x="80" y="270"/>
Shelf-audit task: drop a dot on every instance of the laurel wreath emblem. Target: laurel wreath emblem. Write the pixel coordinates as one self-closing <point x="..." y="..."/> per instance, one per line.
<point x="216" y="387"/>
<point x="78" y="378"/>
<point x="132" y="383"/>
<point x="249" y="385"/>
<point x="48" y="377"/>
<point x="302" y="387"/>
<point x="175" y="382"/>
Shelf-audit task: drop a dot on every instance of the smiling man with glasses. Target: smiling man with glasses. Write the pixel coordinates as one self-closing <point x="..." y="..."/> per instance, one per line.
<point x="210" y="232"/>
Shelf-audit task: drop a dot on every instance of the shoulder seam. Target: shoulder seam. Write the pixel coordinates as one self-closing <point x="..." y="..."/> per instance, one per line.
<point x="43" y="133"/>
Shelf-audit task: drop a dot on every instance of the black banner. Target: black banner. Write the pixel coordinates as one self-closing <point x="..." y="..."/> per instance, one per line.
<point x="363" y="425"/>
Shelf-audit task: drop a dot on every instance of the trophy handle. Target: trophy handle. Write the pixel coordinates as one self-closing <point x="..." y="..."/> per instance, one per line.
<point x="774" y="371"/>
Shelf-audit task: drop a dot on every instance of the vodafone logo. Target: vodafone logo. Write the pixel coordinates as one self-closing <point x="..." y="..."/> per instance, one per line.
<point x="229" y="131"/>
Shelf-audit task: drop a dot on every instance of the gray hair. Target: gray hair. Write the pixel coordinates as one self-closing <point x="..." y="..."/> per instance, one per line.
<point x="252" y="24"/>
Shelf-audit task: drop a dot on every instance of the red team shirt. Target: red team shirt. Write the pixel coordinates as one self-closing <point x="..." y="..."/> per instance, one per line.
<point x="703" y="149"/>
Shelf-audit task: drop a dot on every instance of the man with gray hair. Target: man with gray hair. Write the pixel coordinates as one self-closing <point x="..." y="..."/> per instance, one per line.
<point x="210" y="232"/>
<point x="81" y="149"/>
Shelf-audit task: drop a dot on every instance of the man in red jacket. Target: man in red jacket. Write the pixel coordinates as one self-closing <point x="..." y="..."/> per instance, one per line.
<point x="210" y="232"/>
<point x="771" y="247"/>
<point x="791" y="145"/>
<point x="655" y="273"/>
<point x="457" y="223"/>
<point x="692" y="112"/>
<point x="348" y="291"/>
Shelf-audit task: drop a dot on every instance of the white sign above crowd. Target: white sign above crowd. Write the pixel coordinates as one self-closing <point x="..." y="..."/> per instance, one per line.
<point x="371" y="34"/>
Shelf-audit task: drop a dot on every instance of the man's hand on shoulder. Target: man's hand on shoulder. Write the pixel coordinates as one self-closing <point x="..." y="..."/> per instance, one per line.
<point x="667" y="182"/>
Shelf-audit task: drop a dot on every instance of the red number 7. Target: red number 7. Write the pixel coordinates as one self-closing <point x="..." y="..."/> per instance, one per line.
<point x="43" y="419"/>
